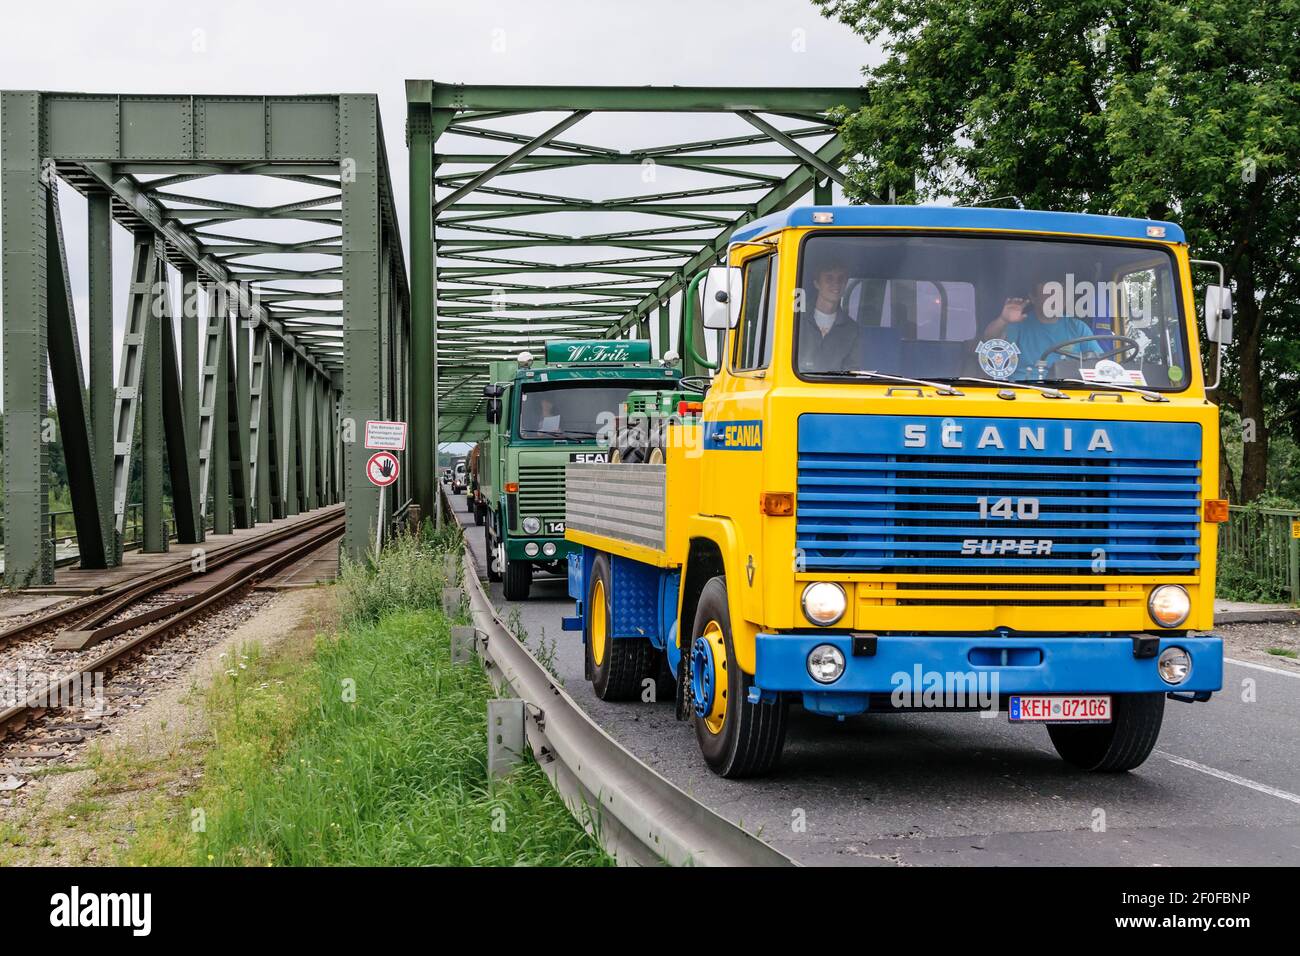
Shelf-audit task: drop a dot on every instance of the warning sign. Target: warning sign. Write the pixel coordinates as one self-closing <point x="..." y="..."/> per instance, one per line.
<point x="389" y="435"/>
<point x="382" y="469"/>
<point x="1295" y="529"/>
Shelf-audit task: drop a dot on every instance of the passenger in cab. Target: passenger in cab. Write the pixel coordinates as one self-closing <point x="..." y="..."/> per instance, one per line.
<point x="828" y="338"/>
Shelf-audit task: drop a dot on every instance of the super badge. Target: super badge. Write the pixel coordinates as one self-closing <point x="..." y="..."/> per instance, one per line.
<point x="998" y="358"/>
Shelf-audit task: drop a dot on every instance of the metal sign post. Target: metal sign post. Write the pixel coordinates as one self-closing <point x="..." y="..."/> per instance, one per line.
<point x="383" y="468"/>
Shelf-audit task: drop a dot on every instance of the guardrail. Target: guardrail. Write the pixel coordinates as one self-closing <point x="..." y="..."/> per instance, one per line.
<point x="1263" y="543"/>
<point x="638" y="816"/>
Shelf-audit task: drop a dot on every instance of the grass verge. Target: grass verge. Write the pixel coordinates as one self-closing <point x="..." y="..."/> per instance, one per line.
<point x="366" y="747"/>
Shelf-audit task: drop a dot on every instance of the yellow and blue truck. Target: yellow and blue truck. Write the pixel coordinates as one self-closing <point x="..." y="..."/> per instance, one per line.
<point x="542" y="416"/>
<point x="951" y="459"/>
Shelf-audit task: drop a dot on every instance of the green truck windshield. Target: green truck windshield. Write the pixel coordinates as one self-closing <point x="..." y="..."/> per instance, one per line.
<point x="947" y="307"/>
<point x="573" y="410"/>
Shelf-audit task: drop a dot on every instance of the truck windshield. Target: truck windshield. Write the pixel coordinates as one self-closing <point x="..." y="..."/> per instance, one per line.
<point x="573" y="411"/>
<point x="1021" y="310"/>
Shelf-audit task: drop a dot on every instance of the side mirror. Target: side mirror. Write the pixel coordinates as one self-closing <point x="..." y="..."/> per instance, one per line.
<point x="1218" y="314"/>
<point x="493" y="394"/>
<point x="722" y="290"/>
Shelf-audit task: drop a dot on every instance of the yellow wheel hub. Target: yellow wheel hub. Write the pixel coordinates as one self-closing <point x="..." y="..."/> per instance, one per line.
<point x="597" y="615"/>
<point x="709" y="677"/>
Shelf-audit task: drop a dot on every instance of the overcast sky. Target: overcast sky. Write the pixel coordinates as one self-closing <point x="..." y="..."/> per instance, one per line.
<point x="150" y="46"/>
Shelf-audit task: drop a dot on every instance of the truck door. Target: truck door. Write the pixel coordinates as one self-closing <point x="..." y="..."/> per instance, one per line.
<point x="735" y="429"/>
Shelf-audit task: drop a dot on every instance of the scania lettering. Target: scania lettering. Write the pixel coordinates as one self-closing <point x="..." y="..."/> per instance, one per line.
<point x="997" y="464"/>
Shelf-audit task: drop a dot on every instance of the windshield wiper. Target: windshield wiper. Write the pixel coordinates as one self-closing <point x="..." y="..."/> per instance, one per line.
<point x="1147" y="395"/>
<point x="939" y="387"/>
<point x="1047" y="392"/>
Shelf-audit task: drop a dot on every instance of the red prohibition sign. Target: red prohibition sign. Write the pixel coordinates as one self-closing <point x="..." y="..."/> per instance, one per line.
<point x="382" y="469"/>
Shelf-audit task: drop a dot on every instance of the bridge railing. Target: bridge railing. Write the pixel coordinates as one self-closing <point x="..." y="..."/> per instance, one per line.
<point x="1259" y="554"/>
<point x="62" y="531"/>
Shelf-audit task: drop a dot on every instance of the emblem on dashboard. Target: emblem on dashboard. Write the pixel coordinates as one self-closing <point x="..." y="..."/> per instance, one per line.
<point x="998" y="358"/>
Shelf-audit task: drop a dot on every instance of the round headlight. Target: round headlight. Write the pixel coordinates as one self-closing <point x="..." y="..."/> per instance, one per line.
<point x="548" y="549"/>
<point x="530" y="549"/>
<point x="824" y="603"/>
<point x="1169" y="605"/>
<point x="825" y="663"/>
<point x="532" y="526"/>
<point x="1174" y="665"/>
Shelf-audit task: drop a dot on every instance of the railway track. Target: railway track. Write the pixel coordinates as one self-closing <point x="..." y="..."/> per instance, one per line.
<point x="135" y="615"/>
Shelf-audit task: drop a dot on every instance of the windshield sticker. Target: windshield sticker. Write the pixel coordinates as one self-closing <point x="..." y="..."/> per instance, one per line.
<point x="998" y="358"/>
<point x="1108" y="372"/>
<point x="1175" y="374"/>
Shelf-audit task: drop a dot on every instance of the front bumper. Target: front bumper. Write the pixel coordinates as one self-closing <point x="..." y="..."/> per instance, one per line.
<point x="1022" y="665"/>
<point x="563" y="548"/>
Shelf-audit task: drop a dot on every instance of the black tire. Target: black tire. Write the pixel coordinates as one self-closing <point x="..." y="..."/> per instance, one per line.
<point x="1122" y="744"/>
<point x="493" y="576"/>
<point x="478" y="512"/>
<point x="518" y="580"/>
<point x="625" y="661"/>
<point x="751" y="737"/>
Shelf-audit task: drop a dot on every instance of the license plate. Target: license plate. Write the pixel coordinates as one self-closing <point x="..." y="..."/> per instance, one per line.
<point x="1068" y="709"/>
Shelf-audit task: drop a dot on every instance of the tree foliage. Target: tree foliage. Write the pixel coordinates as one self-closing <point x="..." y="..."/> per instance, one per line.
<point x="1187" y="111"/>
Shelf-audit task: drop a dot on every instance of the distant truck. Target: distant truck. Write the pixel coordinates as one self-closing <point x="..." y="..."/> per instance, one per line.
<point x="459" y="476"/>
<point x="953" y="459"/>
<point x="473" y="495"/>
<point x="544" y="416"/>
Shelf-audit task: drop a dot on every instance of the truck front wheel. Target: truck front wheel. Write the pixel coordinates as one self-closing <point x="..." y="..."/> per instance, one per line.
<point x="1122" y="744"/>
<point x="737" y="738"/>
<point x="615" y="666"/>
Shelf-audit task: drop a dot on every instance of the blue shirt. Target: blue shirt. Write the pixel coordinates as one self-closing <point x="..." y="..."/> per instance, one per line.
<point x="1034" y="337"/>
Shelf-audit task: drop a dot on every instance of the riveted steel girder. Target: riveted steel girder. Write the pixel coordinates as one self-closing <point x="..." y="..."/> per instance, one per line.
<point x="202" y="405"/>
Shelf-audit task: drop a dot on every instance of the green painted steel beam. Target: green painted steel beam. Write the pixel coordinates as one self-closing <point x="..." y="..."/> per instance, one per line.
<point x="362" y="400"/>
<point x="178" y="128"/>
<point x="29" y="554"/>
<point x="103" y="393"/>
<point x="649" y="99"/>
<point x="423" y="429"/>
<point x="86" y="485"/>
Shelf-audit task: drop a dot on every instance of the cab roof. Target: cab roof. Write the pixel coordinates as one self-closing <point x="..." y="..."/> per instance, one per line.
<point x="967" y="217"/>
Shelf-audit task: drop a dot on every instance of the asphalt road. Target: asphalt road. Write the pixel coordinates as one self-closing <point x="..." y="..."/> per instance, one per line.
<point x="1222" y="789"/>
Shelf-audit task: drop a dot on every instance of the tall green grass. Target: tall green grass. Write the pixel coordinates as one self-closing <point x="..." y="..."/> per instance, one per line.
<point x="387" y="762"/>
<point x="409" y="575"/>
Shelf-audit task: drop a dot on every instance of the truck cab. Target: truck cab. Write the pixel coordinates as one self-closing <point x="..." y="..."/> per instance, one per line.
<point x="544" y="415"/>
<point x="949" y="459"/>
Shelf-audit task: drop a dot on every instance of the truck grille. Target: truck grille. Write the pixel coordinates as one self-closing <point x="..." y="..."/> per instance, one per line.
<point x="541" y="490"/>
<point x="895" y="512"/>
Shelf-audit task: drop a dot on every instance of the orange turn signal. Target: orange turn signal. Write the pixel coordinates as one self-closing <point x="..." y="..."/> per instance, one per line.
<point x="1216" y="510"/>
<point x="512" y="487"/>
<point x="778" y="504"/>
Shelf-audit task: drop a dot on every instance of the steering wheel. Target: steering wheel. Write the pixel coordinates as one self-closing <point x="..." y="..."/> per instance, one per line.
<point x="1129" y="345"/>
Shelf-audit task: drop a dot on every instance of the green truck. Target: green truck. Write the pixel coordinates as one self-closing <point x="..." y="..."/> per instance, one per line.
<point x="543" y="416"/>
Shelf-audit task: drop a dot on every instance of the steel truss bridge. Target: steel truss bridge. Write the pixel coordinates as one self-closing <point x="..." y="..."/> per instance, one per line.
<point x="536" y="212"/>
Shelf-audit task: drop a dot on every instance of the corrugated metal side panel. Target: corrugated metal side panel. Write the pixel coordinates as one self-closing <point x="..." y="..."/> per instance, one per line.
<point x="623" y="502"/>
